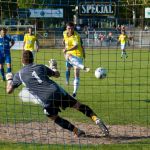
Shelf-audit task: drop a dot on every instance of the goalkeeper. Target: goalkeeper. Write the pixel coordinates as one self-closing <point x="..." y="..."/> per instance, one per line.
<point x="36" y="78"/>
<point x="74" y="54"/>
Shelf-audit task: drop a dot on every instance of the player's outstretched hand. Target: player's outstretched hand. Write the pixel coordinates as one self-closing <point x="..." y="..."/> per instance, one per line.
<point x="9" y="77"/>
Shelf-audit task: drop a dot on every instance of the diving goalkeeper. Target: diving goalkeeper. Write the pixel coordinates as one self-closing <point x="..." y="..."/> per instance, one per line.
<point x="36" y="78"/>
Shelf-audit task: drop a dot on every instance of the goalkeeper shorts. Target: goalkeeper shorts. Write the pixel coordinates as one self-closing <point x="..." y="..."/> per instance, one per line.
<point x="62" y="100"/>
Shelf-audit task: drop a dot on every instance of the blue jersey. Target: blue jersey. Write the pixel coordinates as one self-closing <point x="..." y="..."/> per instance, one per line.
<point x="5" y="44"/>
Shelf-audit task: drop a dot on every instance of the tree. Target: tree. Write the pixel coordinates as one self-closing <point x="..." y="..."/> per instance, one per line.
<point x="8" y="9"/>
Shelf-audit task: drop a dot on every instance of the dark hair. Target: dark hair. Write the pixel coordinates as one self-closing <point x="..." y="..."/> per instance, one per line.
<point x="27" y="57"/>
<point x="71" y="24"/>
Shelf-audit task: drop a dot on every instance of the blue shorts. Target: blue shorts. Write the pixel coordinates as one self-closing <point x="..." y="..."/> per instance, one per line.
<point x="2" y="59"/>
<point x="5" y="59"/>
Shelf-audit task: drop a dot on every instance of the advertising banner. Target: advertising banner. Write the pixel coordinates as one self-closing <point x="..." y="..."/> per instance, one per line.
<point x="46" y="13"/>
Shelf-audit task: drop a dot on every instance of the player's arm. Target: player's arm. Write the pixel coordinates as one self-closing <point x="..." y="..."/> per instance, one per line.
<point x="127" y="39"/>
<point x="83" y="50"/>
<point x="71" y="49"/>
<point x="75" y="46"/>
<point x="52" y="72"/>
<point x="12" y="42"/>
<point x="24" y="42"/>
<point x="12" y="82"/>
<point x="37" y="45"/>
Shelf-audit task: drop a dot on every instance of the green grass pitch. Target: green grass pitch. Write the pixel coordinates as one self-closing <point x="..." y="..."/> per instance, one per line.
<point x="121" y="98"/>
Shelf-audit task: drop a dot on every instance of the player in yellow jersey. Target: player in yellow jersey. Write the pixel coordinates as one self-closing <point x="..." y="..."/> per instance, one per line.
<point x="29" y="42"/>
<point x="123" y="39"/>
<point x="74" y="54"/>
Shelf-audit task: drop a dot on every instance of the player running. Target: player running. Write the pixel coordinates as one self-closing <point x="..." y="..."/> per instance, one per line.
<point x="36" y="78"/>
<point x="29" y="42"/>
<point x="74" y="54"/>
<point x="6" y="42"/>
<point x="123" y="39"/>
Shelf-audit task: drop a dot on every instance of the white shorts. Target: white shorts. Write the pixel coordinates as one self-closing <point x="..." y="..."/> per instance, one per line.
<point x="123" y="46"/>
<point x="76" y="61"/>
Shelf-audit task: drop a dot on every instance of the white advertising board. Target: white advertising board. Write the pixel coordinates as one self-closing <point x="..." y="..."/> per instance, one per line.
<point x="147" y="12"/>
<point x="46" y="13"/>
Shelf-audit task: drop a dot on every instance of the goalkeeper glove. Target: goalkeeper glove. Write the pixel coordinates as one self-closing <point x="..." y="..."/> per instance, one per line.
<point x="53" y="64"/>
<point x="9" y="77"/>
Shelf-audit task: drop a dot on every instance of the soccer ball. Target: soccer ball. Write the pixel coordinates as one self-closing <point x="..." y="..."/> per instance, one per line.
<point x="100" y="73"/>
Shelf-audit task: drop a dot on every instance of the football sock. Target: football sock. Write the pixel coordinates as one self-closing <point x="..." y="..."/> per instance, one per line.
<point x="86" y="110"/>
<point x="94" y="118"/>
<point x="67" y="75"/>
<point x="2" y="73"/>
<point x="64" y="124"/>
<point x="123" y="54"/>
<point x="8" y="70"/>
<point x="76" y="84"/>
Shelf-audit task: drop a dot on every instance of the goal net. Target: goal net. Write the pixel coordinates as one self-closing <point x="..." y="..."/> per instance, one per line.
<point x="121" y="99"/>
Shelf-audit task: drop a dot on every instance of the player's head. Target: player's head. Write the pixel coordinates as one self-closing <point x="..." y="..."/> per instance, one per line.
<point x="27" y="57"/>
<point x="30" y="30"/>
<point x="3" y="31"/>
<point x="70" y="27"/>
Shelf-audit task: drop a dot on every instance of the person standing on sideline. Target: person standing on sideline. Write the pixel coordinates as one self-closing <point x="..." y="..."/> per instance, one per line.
<point x="6" y="42"/>
<point x="123" y="39"/>
<point x="29" y="42"/>
<point x="36" y="78"/>
<point x="74" y="54"/>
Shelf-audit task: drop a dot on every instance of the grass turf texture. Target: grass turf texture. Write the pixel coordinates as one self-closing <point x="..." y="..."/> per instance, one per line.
<point x="121" y="98"/>
<point x="24" y="146"/>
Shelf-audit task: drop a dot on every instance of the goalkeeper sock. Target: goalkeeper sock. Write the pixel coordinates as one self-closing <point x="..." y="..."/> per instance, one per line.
<point x="76" y="84"/>
<point x="87" y="111"/>
<point x="64" y="124"/>
<point x="67" y="75"/>
<point x="2" y="73"/>
<point x="8" y="70"/>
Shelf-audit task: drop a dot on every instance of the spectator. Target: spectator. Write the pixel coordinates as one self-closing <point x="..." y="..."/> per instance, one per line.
<point x="110" y="38"/>
<point x="101" y="38"/>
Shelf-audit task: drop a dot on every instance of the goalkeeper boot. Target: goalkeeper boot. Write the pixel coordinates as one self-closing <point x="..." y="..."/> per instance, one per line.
<point x="78" y="133"/>
<point x="102" y="127"/>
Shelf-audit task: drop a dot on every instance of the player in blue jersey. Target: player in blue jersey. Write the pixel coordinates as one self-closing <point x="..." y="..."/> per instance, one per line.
<point x="36" y="79"/>
<point x="5" y="57"/>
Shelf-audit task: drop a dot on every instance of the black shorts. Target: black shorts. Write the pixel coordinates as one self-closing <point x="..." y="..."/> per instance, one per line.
<point x="60" y="101"/>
